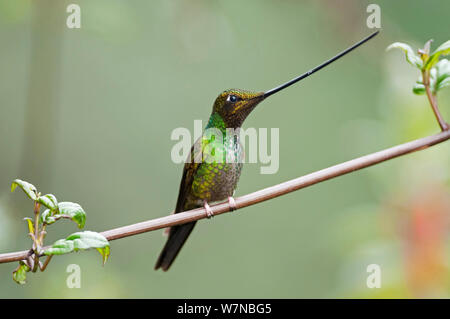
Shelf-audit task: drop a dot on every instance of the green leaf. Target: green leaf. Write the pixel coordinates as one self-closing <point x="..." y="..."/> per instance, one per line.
<point x="66" y="210"/>
<point x="80" y="241"/>
<point x="28" y="188"/>
<point x="442" y="74"/>
<point x="20" y="274"/>
<point x="419" y="88"/>
<point x="75" y="212"/>
<point x="48" y="218"/>
<point x="105" y="253"/>
<point x="49" y="201"/>
<point x="30" y="225"/>
<point x="411" y="57"/>
<point x="444" y="83"/>
<point x="443" y="49"/>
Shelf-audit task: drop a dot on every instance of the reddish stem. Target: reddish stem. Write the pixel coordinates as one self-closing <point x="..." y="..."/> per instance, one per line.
<point x="433" y="102"/>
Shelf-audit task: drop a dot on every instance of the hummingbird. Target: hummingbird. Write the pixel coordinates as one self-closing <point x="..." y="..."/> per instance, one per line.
<point x="213" y="167"/>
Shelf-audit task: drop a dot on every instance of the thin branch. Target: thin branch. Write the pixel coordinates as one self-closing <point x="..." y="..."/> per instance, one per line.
<point x="433" y="101"/>
<point x="264" y="194"/>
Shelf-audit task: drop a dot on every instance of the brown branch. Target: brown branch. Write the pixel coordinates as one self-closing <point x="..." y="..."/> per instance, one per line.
<point x="433" y="101"/>
<point x="264" y="194"/>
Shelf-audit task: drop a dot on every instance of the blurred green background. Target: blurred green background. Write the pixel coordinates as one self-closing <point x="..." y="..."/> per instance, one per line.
<point x="86" y="114"/>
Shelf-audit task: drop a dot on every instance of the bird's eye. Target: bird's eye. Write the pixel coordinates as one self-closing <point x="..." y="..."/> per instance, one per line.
<point x="232" y="98"/>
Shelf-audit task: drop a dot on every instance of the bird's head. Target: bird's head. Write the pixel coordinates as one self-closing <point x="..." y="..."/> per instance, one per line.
<point x="235" y="105"/>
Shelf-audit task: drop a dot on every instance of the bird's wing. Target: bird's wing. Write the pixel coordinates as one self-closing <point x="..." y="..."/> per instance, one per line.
<point x="189" y="170"/>
<point x="179" y="234"/>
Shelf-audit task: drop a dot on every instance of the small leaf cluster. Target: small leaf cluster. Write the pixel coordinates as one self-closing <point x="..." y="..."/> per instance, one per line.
<point x="435" y="70"/>
<point x="37" y="230"/>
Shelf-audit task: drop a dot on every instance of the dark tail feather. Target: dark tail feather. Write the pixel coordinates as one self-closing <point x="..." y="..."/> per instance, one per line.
<point x="176" y="240"/>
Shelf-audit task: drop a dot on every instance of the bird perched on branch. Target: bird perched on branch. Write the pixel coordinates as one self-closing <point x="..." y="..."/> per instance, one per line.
<point x="214" y="165"/>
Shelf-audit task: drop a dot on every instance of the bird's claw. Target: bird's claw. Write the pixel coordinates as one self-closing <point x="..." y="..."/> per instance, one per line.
<point x="209" y="212"/>
<point x="232" y="203"/>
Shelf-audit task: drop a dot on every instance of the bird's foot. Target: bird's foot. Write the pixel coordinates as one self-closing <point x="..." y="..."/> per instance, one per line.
<point x="209" y="212"/>
<point x="232" y="203"/>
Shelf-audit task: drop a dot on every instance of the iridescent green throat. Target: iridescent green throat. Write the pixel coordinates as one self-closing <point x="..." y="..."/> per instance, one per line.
<point x="230" y="136"/>
<point x="216" y="121"/>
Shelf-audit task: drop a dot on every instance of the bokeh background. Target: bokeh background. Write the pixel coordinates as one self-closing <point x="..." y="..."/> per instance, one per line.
<point x="86" y="114"/>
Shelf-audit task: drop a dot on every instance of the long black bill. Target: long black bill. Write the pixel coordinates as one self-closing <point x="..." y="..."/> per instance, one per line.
<point x="317" y="68"/>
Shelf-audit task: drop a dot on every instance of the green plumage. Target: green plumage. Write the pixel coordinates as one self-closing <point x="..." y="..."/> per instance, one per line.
<point x="212" y="171"/>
